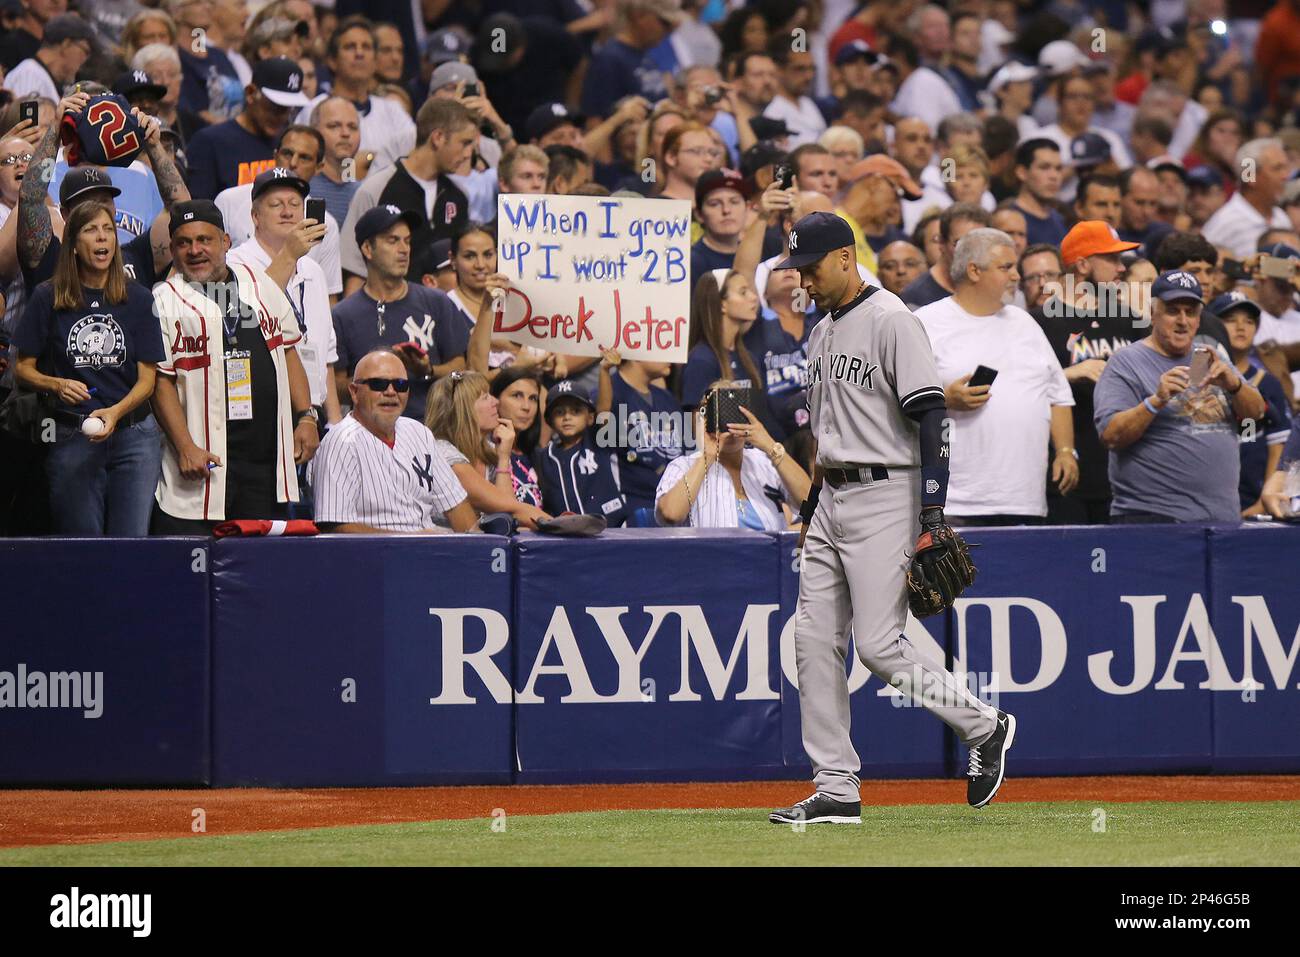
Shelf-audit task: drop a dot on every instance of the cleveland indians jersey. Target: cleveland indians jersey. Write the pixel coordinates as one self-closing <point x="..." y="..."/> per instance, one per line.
<point x="867" y="364"/>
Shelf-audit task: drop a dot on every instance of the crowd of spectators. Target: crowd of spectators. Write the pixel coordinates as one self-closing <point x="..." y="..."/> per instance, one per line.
<point x="1092" y="207"/>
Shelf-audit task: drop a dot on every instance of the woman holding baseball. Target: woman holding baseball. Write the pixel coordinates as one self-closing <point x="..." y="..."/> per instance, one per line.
<point x="89" y="337"/>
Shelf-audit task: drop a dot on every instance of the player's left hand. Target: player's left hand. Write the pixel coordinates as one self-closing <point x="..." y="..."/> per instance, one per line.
<point x="306" y="437"/>
<point x="1065" y="471"/>
<point x="752" y="432"/>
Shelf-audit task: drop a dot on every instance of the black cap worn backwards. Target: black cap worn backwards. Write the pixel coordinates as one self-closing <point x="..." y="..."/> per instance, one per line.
<point x="195" y="211"/>
<point x="813" y="237"/>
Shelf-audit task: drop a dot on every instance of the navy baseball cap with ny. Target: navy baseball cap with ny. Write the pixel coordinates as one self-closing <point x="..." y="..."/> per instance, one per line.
<point x="1171" y="286"/>
<point x="813" y="237"/>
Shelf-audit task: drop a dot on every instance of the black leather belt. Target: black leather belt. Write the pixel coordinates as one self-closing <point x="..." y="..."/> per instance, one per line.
<point x="837" y="477"/>
<point x="76" y="418"/>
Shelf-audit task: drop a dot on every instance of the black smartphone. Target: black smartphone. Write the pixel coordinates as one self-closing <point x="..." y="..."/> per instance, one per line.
<point x="315" y="209"/>
<point x="982" y="375"/>
<point x="722" y="408"/>
<point x="471" y="89"/>
<point x="784" y="174"/>
<point x="29" y="110"/>
<point x="1233" y="269"/>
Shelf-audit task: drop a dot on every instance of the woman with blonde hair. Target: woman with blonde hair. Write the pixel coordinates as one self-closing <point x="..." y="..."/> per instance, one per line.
<point x="90" y="338"/>
<point x="738" y="478"/>
<point x="476" y="441"/>
<point x="146" y="27"/>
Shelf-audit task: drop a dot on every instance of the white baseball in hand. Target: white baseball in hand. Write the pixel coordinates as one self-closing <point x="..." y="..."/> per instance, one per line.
<point x="92" y="426"/>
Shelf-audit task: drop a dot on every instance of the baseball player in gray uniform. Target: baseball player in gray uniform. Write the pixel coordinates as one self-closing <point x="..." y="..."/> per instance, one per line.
<point x="877" y="416"/>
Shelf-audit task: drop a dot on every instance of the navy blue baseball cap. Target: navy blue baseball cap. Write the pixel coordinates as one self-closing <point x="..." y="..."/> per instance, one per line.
<point x="84" y="179"/>
<point x="1204" y="177"/>
<point x="856" y="50"/>
<point x="279" y="176"/>
<point x="547" y="117"/>
<point x="1089" y="149"/>
<point x="195" y="211"/>
<point x="1234" y="300"/>
<point x="1281" y="251"/>
<point x="1171" y="286"/>
<point x="375" y="221"/>
<point x="567" y="390"/>
<point x="813" y="237"/>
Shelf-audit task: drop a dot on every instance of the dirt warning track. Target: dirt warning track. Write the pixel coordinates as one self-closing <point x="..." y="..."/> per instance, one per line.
<point x="85" y="817"/>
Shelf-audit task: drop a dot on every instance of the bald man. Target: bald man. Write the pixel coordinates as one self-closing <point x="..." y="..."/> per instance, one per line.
<point x="378" y="472"/>
<point x="899" y="263"/>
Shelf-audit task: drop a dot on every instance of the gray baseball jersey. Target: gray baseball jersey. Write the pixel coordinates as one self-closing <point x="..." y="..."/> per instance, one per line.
<point x="866" y="365"/>
<point x="865" y="368"/>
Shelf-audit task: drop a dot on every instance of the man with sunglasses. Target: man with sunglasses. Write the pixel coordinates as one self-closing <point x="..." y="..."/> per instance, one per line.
<point x="380" y="472"/>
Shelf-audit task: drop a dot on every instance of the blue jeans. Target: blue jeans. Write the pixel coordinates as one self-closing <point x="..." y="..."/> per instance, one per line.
<point x="104" y="488"/>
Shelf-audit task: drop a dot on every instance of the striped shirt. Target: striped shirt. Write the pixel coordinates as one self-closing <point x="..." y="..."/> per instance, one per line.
<point x="716" y="504"/>
<point x="406" y="488"/>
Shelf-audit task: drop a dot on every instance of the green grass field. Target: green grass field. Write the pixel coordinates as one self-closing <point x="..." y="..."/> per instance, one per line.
<point x="1161" y="834"/>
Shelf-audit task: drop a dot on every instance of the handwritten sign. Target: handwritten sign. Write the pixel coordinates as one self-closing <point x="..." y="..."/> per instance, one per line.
<point x="592" y="271"/>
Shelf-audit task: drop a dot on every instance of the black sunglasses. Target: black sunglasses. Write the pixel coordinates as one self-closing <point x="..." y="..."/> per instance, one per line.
<point x="381" y="385"/>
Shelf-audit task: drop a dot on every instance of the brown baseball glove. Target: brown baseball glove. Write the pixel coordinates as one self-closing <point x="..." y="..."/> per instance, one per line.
<point x="940" y="569"/>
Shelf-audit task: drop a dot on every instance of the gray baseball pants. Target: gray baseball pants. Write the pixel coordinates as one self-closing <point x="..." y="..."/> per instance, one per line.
<point x="854" y="582"/>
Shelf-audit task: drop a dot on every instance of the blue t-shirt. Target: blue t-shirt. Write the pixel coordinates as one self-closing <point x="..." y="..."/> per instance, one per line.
<point x="704" y="259"/>
<point x="138" y="205"/>
<point x="1258" y="437"/>
<point x="618" y="70"/>
<point x="209" y="83"/>
<point x="1048" y="229"/>
<point x="424" y="315"/>
<point x="337" y="196"/>
<point x="646" y="432"/>
<point x="226" y="155"/>
<point x="1186" y="465"/>
<point x="99" y="344"/>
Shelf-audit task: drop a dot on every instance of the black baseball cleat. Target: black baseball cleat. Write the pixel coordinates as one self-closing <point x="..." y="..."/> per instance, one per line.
<point x="988" y="762"/>
<point x="819" y="809"/>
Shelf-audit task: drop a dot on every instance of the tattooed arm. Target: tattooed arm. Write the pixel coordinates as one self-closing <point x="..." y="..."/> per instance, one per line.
<point x="171" y="186"/>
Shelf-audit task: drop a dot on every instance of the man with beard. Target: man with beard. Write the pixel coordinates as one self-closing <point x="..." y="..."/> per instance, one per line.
<point x="1086" y="322"/>
<point x="1000" y="432"/>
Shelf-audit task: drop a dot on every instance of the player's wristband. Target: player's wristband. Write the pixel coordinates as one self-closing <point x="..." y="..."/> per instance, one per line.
<point x="810" y="504"/>
<point x="934" y="485"/>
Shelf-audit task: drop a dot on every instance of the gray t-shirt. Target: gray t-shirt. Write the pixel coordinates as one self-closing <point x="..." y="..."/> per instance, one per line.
<point x="1186" y="465"/>
<point x="865" y="369"/>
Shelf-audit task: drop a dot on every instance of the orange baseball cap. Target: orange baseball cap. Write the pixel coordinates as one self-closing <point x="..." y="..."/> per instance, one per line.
<point x="891" y="169"/>
<point x="1092" y="237"/>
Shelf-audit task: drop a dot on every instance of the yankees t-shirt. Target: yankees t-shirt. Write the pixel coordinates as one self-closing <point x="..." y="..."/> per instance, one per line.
<point x="406" y="487"/>
<point x="98" y="344"/>
<point x="424" y="315"/>
<point x="784" y="360"/>
<point x="646" y="434"/>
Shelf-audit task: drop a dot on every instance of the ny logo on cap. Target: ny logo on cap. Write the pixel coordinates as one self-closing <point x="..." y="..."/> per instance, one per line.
<point x="1080" y="147"/>
<point x="1186" y="280"/>
<point x="566" y="386"/>
<point x="794" y="240"/>
<point x="91" y="174"/>
<point x="140" y="76"/>
<point x="393" y="209"/>
<point x="558" y="109"/>
<point x="294" y="80"/>
<point x="279" y="172"/>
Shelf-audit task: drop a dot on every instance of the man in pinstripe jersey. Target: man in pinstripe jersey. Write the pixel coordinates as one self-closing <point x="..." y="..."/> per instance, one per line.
<point x="877" y="412"/>
<point x="379" y="472"/>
